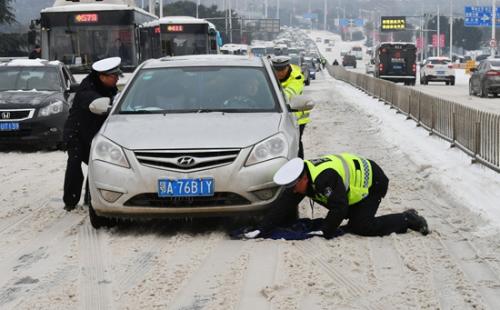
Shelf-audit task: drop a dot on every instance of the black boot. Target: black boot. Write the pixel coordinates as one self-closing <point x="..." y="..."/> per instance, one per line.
<point x="416" y="222"/>
<point x="69" y="208"/>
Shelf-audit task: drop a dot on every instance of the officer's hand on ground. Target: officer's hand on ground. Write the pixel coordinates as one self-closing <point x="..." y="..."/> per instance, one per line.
<point x="318" y="233"/>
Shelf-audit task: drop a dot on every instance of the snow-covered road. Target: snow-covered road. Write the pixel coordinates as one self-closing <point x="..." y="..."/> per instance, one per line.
<point x="51" y="259"/>
<point x="458" y="93"/>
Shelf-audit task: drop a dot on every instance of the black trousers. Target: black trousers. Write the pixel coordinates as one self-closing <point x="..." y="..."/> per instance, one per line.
<point x="78" y="152"/>
<point x="301" y="147"/>
<point x="361" y="216"/>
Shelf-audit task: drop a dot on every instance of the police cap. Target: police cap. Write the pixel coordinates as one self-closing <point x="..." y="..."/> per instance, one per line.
<point x="280" y="62"/>
<point x="108" y="66"/>
<point x="289" y="173"/>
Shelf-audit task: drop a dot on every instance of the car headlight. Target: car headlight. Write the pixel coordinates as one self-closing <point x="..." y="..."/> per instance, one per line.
<point x="53" y="108"/>
<point x="110" y="152"/>
<point x="273" y="147"/>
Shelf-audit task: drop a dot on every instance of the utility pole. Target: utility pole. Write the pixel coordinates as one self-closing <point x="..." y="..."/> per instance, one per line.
<point x="278" y="9"/>
<point x="197" y="9"/>
<point x="438" y="34"/>
<point x="265" y="8"/>
<point x="325" y="9"/>
<point x="161" y="8"/>
<point x="493" y="27"/>
<point x="230" y="22"/>
<point x="422" y="23"/>
<point x="451" y="30"/>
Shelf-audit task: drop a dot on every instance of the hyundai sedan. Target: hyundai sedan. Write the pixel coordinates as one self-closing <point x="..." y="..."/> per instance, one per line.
<point x="193" y="136"/>
<point x="34" y="101"/>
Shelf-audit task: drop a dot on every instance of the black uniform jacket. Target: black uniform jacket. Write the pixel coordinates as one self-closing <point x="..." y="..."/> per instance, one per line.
<point x="329" y="184"/>
<point x="81" y="123"/>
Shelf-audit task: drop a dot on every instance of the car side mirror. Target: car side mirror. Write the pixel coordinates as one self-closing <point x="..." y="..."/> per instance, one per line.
<point x="73" y="87"/>
<point x="100" y="106"/>
<point x="301" y="103"/>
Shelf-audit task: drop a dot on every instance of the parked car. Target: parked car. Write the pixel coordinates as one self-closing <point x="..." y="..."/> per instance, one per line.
<point x="193" y="136"/>
<point x="35" y="97"/>
<point x="437" y="69"/>
<point x="485" y="79"/>
<point x="349" y="61"/>
<point x="370" y="66"/>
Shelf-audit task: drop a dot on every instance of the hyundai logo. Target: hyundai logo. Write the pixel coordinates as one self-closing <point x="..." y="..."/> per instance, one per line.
<point x="186" y="161"/>
<point x="5" y="115"/>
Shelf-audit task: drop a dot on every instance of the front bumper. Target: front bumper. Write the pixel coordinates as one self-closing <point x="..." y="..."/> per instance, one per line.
<point x="36" y="130"/>
<point x="238" y="189"/>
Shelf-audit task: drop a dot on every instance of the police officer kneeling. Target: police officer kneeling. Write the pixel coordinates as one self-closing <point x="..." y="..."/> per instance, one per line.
<point x="350" y="187"/>
<point x="82" y="124"/>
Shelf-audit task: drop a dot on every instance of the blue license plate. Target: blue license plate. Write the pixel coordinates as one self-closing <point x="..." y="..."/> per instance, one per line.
<point x="185" y="187"/>
<point x="397" y="67"/>
<point x="440" y="72"/>
<point x="9" y="126"/>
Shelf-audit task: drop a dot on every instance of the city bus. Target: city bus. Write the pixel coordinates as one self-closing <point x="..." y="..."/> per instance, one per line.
<point x="396" y="61"/>
<point x="80" y="33"/>
<point x="184" y="35"/>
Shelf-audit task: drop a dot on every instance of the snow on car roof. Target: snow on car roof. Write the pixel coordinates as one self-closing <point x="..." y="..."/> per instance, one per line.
<point x="205" y="60"/>
<point x="31" y="63"/>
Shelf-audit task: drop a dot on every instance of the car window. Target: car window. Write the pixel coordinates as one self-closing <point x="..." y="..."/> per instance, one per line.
<point x="199" y="89"/>
<point x="439" y="61"/>
<point x="30" y="78"/>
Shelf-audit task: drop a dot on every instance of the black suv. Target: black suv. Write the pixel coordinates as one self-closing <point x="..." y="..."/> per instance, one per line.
<point x="349" y="60"/>
<point x="35" y="97"/>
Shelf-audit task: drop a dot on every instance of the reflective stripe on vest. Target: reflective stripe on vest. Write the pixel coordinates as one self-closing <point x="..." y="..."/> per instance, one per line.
<point x="355" y="172"/>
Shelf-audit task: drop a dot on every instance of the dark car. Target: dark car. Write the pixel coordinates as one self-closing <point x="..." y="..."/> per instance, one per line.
<point x="485" y="79"/>
<point x="34" y="102"/>
<point x="349" y="60"/>
<point x="311" y="67"/>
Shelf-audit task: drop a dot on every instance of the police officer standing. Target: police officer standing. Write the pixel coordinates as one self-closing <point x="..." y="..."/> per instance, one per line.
<point x="292" y="82"/>
<point x="82" y="124"/>
<point x="350" y="187"/>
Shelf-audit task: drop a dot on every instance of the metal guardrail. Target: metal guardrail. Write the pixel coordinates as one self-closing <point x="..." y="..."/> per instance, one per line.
<point x="475" y="132"/>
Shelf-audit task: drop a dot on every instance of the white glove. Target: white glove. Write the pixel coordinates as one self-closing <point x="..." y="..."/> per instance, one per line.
<point x="100" y="106"/>
<point x="316" y="233"/>
<point x="252" y="234"/>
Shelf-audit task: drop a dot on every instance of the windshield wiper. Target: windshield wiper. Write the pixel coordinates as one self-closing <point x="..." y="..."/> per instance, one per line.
<point x="141" y="112"/>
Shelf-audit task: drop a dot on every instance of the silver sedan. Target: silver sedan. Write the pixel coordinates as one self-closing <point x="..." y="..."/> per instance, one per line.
<point x="193" y="135"/>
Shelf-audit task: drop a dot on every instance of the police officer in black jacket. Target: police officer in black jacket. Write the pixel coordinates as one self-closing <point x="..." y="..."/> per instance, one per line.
<point x="82" y="124"/>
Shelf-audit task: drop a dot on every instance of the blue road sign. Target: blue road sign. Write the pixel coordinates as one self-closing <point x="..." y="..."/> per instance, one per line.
<point x="345" y="22"/>
<point x="480" y="16"/>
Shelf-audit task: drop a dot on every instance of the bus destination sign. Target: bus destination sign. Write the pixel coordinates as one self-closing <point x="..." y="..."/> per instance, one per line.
<point x="175" y="28"/>
<point x="86" y="18"/>
<point x="393" y="23"/>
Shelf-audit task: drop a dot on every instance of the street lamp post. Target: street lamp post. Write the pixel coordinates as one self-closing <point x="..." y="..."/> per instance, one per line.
<point x="493" y="26"/>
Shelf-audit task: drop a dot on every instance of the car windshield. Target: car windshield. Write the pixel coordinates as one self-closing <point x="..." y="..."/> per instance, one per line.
<point x="198" y="90"/>
<point x="29" y="78"/>
<point x="439" y="61"/>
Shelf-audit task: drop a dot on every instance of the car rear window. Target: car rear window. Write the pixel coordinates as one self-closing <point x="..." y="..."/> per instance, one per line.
<point x="439" y="61"/>
<point x="30" y="78"/>
<point x="199" y="89"/>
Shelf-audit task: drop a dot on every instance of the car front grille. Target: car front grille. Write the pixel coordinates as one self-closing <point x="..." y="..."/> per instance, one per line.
<point x="186" y="160"/>
<point x="219" y="199"/>
<point x="16" y="114"/>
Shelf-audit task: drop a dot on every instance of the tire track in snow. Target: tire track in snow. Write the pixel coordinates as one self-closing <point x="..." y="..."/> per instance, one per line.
<point x="261" y="273"/>
<point x="199" y="291"/>
<point x="313" y="250"/>
<point x="95" y="278"/>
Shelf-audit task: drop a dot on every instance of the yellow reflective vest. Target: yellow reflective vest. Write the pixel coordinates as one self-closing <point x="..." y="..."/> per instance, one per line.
<point x="293" y="86"/>
<point x="356" y="172"/>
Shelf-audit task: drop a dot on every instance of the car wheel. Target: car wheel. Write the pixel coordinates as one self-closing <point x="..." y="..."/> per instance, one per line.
<point x="308" y="81"/>
<point x="100" y="221"/>
<point x="447" y="83"/>
<point x="423" y="80"/>
<point x="452" y="82"/>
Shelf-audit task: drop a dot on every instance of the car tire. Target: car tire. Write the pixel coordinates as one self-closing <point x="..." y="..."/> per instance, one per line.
<point x="100" y="221"/>
<point x="307" y="82"/>
<point x="447" y="83"/>
<point x="452" y="82"/>
<point x="423" y="80"/>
